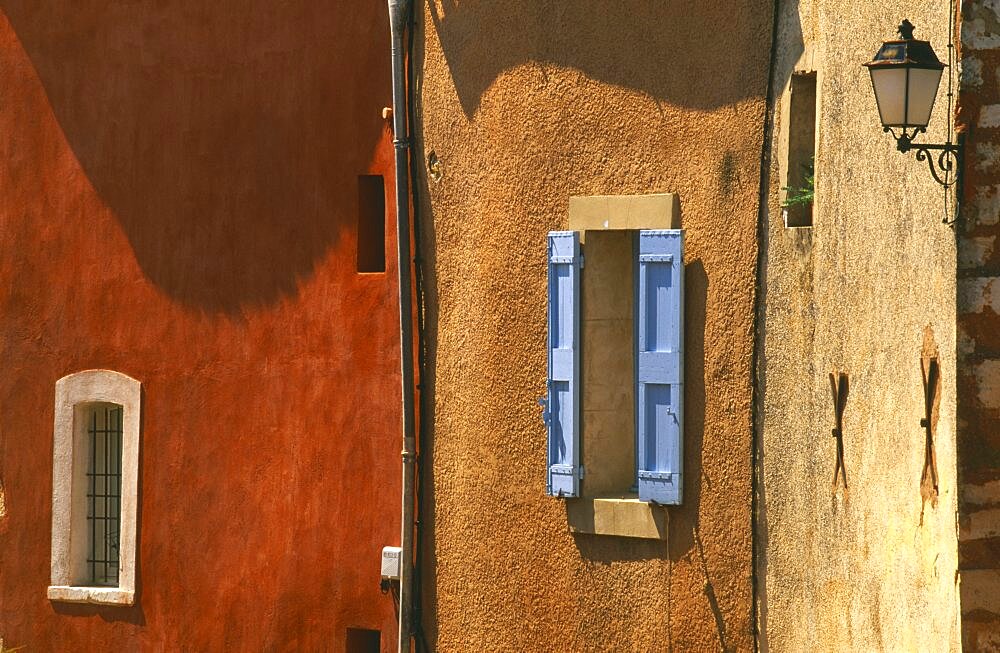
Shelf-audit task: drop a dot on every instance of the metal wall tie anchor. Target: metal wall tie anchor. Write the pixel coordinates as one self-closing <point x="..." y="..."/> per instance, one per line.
<point x="839" y="387"/>
<point x="930" y="372"/>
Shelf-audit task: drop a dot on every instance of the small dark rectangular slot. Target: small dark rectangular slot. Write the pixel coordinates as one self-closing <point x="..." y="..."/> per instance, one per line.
<point x="371" y="223"/>
<point x="360" y="640"/>
<point x="801" y="145"/>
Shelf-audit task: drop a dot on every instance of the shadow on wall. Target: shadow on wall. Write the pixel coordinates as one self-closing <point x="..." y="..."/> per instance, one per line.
<point x="226" y="136"/>
<point x="132" y="614"/>
<point x="637" y="47"/>
<point x="790" y="48"/>
<point x="683" y="519"/>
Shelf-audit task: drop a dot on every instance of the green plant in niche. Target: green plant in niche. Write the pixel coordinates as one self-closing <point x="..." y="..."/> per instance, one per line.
<point x="801" y="195"/>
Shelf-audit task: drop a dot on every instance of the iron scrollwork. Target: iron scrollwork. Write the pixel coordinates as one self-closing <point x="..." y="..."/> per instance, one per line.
<point x="948" y="160"/>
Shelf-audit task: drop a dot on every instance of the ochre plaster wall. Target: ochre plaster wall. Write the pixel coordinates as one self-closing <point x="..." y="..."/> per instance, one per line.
<point x="873" y="567"/>
<point x="177" y="203"/>
<point x="526" y="104"/>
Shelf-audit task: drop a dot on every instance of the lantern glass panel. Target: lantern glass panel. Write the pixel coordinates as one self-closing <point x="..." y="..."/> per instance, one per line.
<point x="890" y="94"/>
<point x="923" y="89"/>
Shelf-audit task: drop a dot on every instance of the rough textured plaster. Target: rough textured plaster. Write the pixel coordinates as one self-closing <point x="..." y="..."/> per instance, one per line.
<point x="526" y="104"/>
<point x="177" y="202"/>
<point x="872" y="568"/>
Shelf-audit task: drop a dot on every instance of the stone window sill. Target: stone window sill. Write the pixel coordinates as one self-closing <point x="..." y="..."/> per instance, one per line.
<point x="94" y="595"/>
<point x="620" y="515"/>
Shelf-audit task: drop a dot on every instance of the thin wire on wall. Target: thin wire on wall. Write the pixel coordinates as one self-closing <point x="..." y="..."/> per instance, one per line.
<point x="952" y="62"/>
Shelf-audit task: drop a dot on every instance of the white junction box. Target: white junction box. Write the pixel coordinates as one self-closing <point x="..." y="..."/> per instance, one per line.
<point x="391" y="556"/>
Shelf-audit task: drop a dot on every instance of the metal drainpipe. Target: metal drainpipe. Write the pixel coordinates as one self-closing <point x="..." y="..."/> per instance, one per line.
<point x="398" y="14"/>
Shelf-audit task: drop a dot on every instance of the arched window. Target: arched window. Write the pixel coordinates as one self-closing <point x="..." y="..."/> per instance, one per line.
<point x="95" y="480"/>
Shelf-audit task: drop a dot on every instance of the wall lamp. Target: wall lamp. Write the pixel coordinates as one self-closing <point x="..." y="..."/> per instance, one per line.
<point x="905" y="77"/>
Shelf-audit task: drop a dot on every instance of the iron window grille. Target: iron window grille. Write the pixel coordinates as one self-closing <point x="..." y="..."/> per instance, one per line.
<point x="104" y="491"/>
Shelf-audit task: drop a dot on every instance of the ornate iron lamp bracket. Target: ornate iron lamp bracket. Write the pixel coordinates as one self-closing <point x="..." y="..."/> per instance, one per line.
<point x="947" y="170"/>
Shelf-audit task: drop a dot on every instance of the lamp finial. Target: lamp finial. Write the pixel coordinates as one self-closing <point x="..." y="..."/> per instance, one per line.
<point x="906" y="30"/>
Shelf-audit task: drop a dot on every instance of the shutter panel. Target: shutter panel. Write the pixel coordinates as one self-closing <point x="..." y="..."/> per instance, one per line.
<point x="563" y="402"/>
<point x="660" y="366"/>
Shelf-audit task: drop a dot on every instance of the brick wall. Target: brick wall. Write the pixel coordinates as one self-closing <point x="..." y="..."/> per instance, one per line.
<point x="979" y="328"/>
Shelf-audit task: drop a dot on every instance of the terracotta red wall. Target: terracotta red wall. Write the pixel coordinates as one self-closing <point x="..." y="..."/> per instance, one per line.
<point x="178" y="203"/>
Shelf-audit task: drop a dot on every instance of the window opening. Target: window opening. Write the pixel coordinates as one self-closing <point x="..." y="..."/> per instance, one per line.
<point x="104" y="491"/>
<point x="360" y="640"/>
<point x="371" y="223"/>
<point x="624" y="332"/>
<point x="608" y="357"/>
<point x="95" y="488"/>
<point x="798" y="198"/>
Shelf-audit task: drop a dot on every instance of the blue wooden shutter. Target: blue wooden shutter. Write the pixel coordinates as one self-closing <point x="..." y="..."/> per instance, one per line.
<point x="660" y="366"/>
<point x="563" y="401"/>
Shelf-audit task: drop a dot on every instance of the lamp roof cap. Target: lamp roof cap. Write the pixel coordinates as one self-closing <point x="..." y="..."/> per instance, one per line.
<point x="907" y="52"/>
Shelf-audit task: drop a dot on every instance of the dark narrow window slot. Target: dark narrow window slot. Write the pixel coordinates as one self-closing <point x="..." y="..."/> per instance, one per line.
<point x="360" y="640"/>
<point x="799" y="184"/>
<point x="371" y="223"/>
<point x="104" y="473"/>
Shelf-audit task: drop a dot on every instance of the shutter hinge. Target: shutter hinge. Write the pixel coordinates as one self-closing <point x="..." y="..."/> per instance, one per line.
<point x="581" y="472"/>
<point x="544" y="403"/>
<point x="581" y="261"/>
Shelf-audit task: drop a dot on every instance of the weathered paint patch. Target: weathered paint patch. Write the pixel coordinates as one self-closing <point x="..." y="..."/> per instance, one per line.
<point x="979" y="333"/>
<point x="979" y="554"/>
<point x="975" y="252"/>
<point x="978" y="590"/>
<point x="988" y="383"/>
<point x="972" y="72"/>
<point x="980" y="524"/>
<point x="986" y="156"/>
<point x="981" y="25"/>
<point x="984" y="207"/>
<point x="981" y="610"/>
<point x="977" y="293"/>
<point x="980" y="442"/>
<point x="966" y="342"/>
<point x="989" y="116"/>
<point x="981" y="632"/>
<point x="984" y="494"/>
